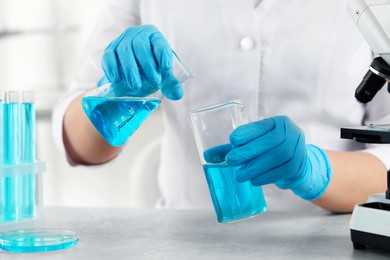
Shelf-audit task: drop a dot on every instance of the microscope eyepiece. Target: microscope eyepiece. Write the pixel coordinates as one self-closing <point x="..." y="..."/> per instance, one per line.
<point x="373" y="81"/>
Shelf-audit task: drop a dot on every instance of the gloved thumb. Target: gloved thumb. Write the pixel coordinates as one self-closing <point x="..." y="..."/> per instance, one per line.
<point x="171" y="87"/>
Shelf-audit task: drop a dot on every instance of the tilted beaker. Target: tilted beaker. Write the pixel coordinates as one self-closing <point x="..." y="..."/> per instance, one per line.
<point x="116" y="111"/>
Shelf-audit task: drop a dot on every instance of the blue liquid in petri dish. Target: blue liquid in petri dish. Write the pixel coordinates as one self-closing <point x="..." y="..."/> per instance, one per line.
<point x="232" y="200"/>
<point x="117" y="118"/>
<point x="37" y="240"/>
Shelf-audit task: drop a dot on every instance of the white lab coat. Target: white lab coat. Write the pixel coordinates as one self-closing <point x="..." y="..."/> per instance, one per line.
<point x="299" y="58"/>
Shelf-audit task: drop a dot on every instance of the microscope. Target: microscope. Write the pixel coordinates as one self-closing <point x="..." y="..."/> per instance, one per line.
<point x="369" y="223"/>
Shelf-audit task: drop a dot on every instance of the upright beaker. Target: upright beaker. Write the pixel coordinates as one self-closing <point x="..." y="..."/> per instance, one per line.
<point x="116" y="111"/>
<point x="212" y="127"/>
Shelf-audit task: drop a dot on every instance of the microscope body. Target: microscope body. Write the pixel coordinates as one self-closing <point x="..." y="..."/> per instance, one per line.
<point x="373" y="20"/>
<point x="369" y="223"/>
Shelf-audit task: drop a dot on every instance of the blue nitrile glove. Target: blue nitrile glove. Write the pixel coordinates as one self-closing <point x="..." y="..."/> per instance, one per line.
<point x="273" y="150"/>
<point x="139" y="57"/>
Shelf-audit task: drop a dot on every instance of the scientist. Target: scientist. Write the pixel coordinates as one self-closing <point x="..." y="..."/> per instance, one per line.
<point x="294" y="63"/>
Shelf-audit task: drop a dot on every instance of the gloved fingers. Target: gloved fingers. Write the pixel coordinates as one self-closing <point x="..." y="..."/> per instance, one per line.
<point x="216" y="154"/>
<point x="287" y="151"/>
<point x="110" y="63"/>
<point x="254" y="148"/>
<point x="145" y="58"/>
<point x="118" y="61"/>
<point x="270" y="132"/>
<point x="162" y="51"/>
<point x="129" y="65"/>
<point x="139" y="56"/>
<point x="246" y="133"/>
<point x="171" y="86"/>
<point x="278" y="175"/>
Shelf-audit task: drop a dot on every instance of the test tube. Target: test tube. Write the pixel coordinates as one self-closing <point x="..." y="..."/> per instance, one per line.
<point x="2" y="187"/>
<point x="11" y="152"/>
<point x="27" y="152"/>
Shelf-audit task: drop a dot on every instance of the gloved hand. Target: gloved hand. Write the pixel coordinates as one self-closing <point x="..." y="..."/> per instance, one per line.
<point x="141" y="58"/>
<point x="273" y="150"/>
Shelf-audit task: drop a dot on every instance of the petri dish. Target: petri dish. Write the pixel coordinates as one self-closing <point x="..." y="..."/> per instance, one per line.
<point x="37" y="240"/>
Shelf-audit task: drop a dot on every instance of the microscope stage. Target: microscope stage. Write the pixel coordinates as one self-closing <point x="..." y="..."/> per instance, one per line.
<point x="379" y="134"/>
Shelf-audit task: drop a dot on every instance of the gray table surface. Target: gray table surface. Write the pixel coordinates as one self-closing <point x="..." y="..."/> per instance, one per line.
<point x="106" y="233"/>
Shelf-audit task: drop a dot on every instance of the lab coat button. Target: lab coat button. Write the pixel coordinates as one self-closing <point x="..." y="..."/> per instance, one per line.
<point x="247" y="44"/>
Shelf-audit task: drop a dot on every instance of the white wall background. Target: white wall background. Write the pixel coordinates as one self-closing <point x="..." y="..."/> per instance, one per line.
<point x="41" y="43"/>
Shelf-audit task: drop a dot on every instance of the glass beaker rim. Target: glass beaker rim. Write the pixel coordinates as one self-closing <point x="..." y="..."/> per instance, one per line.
<point x="204" y="109"/>
<point x="187" y="73"/>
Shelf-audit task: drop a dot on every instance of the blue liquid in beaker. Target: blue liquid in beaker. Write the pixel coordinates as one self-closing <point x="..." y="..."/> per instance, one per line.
<point x="232" y="200"/>
<point x="117" y="118"/>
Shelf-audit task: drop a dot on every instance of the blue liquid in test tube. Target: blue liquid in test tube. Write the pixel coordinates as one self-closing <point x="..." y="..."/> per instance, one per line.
<point x="27" y="153"/>
<point x="2" y="186"/>
<point x="11" y="153"/>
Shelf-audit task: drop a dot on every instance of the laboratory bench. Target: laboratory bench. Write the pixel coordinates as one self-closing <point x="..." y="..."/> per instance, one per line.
<point x="112" y="233"/>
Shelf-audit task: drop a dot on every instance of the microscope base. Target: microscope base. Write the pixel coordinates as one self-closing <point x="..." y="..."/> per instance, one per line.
<point x="362" y="239"/>
<point x="369" y="223"/>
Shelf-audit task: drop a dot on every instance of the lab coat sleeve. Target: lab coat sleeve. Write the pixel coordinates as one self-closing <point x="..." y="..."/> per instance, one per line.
<point x="382" y="152"/>
<point x="115" y="17"/>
